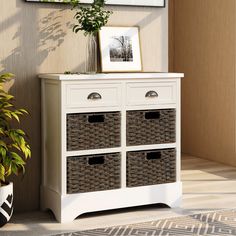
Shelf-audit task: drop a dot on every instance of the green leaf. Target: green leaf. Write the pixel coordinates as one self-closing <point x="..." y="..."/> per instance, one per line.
<point x="3" y="144"/>
<point x="16" y="116"/>
<point x="20" y="132"/>
<point x="17" y="159"/>
<point x="16" y="146"/>
<point x="9" y="171"/>
<point x="3" y="152"/>
<point x="6" y="77"/>
<point x="2" y="172"/>
<point x="14" y="169"/>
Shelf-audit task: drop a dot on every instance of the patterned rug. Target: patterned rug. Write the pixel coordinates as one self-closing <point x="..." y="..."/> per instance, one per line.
<point x="212" y="223"/>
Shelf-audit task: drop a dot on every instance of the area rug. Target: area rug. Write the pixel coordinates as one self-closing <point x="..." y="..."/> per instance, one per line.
<point x="212" y="223"/>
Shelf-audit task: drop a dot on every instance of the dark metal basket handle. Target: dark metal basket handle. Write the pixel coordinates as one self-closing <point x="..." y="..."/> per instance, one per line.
<point x="94" y="96"/>
<point x="96" y="160"/>
<point x="96" y="118"/>
<point x="151" y="94"/>
<point x="152" y="115"/>
<point x="153" y="155"/>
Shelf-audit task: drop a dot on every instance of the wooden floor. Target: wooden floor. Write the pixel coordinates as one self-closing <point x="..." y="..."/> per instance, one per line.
<point x="207" y="186"/>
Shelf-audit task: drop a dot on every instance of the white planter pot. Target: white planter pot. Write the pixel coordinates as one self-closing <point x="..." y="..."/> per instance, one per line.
<point x="6" y="203"/>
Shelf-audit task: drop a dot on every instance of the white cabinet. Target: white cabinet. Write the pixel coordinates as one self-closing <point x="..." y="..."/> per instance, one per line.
<point x="88" y="164"/>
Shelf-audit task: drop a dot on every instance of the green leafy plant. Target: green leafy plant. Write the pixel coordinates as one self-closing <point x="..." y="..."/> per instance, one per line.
<point x="90" y="18"/>
<point x="14" y="149"/>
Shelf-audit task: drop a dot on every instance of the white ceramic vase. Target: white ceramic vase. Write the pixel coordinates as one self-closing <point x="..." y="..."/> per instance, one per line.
<point x="6" y="203"/>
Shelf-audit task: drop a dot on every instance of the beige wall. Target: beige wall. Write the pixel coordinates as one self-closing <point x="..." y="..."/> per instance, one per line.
<point x="203" y="47"/>
<point x="37" y="38"/>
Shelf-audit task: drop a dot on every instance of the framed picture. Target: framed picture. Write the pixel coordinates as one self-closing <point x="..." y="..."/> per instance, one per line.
<point x="153" y="3"/>
<point x="120" y="49"/>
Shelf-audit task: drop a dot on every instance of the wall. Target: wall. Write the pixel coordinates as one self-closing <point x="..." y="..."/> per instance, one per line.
<point x="202" y="35"/>
<point x="37" y="38"/>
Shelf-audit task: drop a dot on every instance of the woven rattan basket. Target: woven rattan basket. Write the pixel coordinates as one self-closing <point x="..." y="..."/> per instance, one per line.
<point x="93" y="173"/>
<point x="150" y="127"/>
<point x="151" y="167"/>
<point x="93" y="130"/>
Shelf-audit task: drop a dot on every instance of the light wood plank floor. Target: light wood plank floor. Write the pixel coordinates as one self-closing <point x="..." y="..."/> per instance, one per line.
<point x="207" y="186"/>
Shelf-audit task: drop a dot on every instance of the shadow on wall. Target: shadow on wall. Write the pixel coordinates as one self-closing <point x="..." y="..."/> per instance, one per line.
<point x="35" y="39"/>
<point x="51" y="34"/>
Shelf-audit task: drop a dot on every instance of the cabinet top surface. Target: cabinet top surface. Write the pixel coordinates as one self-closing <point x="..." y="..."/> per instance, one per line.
<point x="110" y="76"/>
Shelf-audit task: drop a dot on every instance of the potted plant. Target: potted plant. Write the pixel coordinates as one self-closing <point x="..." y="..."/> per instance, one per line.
<point x="90" y="19"/>
<point x="14" y="149"/>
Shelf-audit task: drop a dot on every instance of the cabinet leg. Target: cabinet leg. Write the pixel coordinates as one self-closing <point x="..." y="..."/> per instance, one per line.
<point x="176" y="203"/>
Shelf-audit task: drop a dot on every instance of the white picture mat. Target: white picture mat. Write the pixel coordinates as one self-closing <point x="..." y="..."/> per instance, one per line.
<point x="157" y="3"/>
<point x="105" y="37"/>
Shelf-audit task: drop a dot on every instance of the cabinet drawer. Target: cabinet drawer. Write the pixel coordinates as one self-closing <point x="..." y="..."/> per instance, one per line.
<point x="93" y="130"/>
<point x="93" y="173"/>
<point x="151" y="167"/>
<point x="151" y="93"/>
<point x="150" y="127"/>
<point x="89" y="96"/>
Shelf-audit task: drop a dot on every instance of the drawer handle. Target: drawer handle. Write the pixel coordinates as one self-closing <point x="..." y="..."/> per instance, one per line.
<point x="151" y="94"/>
<point x="98" y="160"/>
<point x="94" y="96"/>
<point x="153" y="155"/>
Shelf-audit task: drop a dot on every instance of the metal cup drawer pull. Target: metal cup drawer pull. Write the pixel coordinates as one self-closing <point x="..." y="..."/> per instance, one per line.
<point x="151" y="94"/>
<point x="94" y="96"/>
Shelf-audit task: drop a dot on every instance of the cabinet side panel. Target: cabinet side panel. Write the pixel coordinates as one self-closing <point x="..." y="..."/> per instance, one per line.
<point x="204" y="51"/>
<point x="51" y="135"/>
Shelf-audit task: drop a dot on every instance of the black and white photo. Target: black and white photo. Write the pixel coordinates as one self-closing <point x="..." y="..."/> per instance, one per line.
<point x="120" y="49"/>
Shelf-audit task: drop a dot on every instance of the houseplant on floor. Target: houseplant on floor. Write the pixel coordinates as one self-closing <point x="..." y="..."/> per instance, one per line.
<point x="90" y="19"/>
<point x="14" y="149"/>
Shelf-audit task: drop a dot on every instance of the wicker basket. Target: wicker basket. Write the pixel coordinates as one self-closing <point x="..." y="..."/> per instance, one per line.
<point x="150" y="127"/>
<point x="151" y="167"/>
<point x="93" y="173"/>
<point x="93" y="130"/>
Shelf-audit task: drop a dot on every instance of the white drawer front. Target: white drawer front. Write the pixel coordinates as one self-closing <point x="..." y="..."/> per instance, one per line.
<point x="91" y="96"/>
<point x="151" y="93"/>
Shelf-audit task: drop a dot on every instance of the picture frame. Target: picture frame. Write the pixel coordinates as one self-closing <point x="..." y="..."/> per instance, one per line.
<point x="120" y="49"/>
<point x="152" y="3"/>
